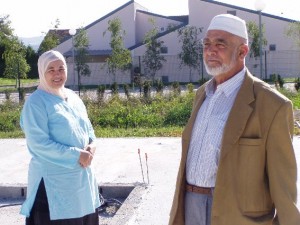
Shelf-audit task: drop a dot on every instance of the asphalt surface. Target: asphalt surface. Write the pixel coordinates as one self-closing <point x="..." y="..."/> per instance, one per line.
<point x="116" y="163"/>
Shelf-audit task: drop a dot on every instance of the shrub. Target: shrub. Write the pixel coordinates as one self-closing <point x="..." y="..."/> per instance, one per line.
<point x="159" y="86"/>
<point x="126" y="90"/>
<point x="176" y="88"/>
<point x="277" y="79"/>
<point x="297" y="84"/>
<point x="114" y="88"/>
<point x="139" y="112"/>
<point x="100" y="92"/>
<point x="190" y="87"/>
<point x="147" y="88"/>
<point x="9" y="116"/>
<point x="7" y="94"/>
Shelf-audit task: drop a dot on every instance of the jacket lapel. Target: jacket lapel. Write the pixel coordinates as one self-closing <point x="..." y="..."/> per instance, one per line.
<point x="239" y="115"/>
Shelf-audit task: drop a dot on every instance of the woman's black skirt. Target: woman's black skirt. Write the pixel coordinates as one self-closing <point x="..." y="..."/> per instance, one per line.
<point x="39" y="214"/>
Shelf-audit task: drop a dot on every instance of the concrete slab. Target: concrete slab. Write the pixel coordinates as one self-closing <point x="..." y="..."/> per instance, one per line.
<point x="116" y="162"/>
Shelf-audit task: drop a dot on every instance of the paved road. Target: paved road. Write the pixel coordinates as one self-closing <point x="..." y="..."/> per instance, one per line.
<point x="163" y="161"/>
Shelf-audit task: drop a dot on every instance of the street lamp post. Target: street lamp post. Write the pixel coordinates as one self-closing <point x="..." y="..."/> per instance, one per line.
<point x="72" y="32"/>
<point x="259" y="6"/>
<point x="19" y="81"/>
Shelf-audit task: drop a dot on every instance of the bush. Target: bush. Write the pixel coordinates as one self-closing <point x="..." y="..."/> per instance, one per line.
<point x="9" y="117"/>
<point x="147" y="88"/>
<point x="179" y="112"/>
<point x="297" y="84"/>
<point x="114" y="88"/>
<point x="139" y="112"/>
<point x="7" y="94"/>
<point x="176" y="88"/>
<point x="277" y="79"/>
<point x="159" y="115"/>
<point x="190" y="87"/>
<point x="126" y="90"/>
<point x="159" y="86"/>
<point x="100" y="92"/>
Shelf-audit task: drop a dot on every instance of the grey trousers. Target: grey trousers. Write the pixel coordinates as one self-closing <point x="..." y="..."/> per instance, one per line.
<point x="197" y="209"/>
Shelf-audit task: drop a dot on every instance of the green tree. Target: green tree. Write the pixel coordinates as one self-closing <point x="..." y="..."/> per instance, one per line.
<point x="32" y="58"/>
<point x="14" y="54"/>
<point x="153" y="60"/>
<point x="5" y="26"/>
<point x="293" y="31"/>
<point x="51" y="39"/>
<point x="253" y="31"/>
<point x="81" y="44"/>
<point x="120" y="57"/>
<point x="15" y="59"/>
<point x="191" y="49"/>
<point x="5" y="33"/>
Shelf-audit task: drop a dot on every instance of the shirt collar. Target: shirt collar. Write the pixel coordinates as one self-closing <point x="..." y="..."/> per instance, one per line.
<point x="229" y="86"/>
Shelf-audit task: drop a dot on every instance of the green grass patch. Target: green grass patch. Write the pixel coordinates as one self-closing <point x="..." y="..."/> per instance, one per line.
<point x="12" y="134"/>
<point x="6" y="81"/>
<point x="293" y="96"/>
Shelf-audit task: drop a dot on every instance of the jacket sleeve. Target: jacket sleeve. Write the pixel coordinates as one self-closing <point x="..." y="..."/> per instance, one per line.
<point x="282" y="167"/>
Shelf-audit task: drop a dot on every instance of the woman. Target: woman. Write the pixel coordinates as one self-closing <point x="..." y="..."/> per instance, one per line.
<point x="62" y="188"/>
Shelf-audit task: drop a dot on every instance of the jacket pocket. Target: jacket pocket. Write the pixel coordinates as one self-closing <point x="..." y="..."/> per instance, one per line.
<point x="250" y="141"/>
<point x="253" y="189"/>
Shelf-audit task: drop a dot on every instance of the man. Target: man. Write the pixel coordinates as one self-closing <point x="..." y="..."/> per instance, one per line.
<point x="238" y="165"/>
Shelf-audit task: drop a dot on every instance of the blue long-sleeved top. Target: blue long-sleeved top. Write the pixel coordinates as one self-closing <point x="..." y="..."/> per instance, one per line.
<point x="56" y="131"/>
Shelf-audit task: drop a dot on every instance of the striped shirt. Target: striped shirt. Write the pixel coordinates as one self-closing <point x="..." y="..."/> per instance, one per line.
<point x="204" y="150"/>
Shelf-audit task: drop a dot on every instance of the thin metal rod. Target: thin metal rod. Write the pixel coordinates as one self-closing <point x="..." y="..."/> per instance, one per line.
<point x="260" y="46"/>
<point x="141" y="165"/>
<point x="146" y="156"/>
<point x="73" y="56"/>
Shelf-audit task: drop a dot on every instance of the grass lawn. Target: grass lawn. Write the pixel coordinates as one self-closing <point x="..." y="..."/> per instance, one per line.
<point x="6" y="81"/>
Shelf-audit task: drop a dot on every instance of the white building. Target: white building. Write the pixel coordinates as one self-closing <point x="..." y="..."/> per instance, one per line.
<point x="281" y="55"/>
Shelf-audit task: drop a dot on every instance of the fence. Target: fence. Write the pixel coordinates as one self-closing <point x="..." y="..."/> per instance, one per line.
<point x="284" y="63"/>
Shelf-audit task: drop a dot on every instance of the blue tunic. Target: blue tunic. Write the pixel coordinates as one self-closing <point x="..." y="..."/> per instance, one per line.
<point x="56" y="131"/>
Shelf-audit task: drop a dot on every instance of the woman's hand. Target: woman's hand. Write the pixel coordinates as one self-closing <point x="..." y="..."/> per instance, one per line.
<point x="85" y="158"/>
<point x="91" y="148"/>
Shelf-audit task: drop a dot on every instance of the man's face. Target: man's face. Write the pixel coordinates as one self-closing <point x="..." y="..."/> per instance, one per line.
<point x="220" y="52"/>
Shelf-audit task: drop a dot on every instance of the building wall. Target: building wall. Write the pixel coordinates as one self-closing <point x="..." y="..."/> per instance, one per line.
<point x="143" y="25"/>
<point x="99" y="75"/>
<point x="284" y="60"/>
<point x="201" y="13"/>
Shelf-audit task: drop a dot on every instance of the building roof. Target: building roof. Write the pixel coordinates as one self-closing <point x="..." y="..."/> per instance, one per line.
<point x="248" y="10"/>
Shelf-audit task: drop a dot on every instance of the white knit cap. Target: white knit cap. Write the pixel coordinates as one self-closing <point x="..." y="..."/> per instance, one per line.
<point x="229" y="23"/>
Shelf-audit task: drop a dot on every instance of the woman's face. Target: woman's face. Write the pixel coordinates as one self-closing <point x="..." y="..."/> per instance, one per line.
<point x="56" y="74"/>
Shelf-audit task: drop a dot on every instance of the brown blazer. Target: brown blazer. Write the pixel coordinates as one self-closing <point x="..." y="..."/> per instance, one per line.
<point x="257" y="170"/>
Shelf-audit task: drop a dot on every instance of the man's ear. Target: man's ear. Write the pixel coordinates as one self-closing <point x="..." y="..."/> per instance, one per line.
<point x="243" y="51"/>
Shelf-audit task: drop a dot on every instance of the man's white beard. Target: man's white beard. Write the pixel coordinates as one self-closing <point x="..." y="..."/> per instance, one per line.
<point x="224" y="68"/>
<point x="215" y="71"/>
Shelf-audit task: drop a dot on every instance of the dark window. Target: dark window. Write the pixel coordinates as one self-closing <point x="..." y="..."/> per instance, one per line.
<point x="272" y="47"/>
<point x="232" y="12"/>
<point x="164" y="50"/>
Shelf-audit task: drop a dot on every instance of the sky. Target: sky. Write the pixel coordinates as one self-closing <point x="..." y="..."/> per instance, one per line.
<point x="31" y="18"/>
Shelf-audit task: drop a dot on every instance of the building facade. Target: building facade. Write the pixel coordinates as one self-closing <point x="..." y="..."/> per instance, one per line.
<point x="281" y="56"/>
